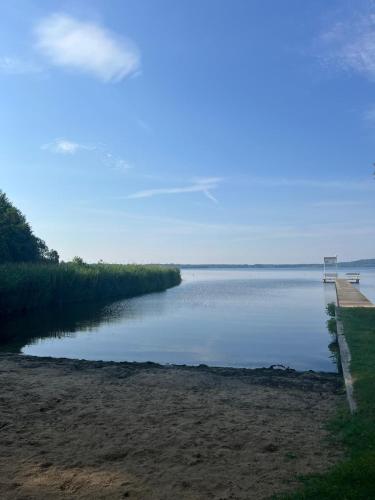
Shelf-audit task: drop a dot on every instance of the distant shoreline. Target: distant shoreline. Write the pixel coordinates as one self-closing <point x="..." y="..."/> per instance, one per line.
<point x="370" y="263"/>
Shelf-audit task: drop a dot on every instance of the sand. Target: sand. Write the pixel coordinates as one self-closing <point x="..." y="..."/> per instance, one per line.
<point x="95" y="430"/>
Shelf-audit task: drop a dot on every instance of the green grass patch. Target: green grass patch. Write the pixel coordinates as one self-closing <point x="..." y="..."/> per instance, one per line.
<point x="28" y="286"/>
<point x="354" y="478"/>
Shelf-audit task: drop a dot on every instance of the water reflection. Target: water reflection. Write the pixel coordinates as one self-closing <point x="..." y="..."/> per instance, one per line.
<point x="228" y="318"/>
<point x="68" y="321"/>
<point x="54" y="323"/>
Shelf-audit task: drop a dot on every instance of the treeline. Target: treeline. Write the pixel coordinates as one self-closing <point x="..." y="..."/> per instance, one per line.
<point x="26" y="286"/>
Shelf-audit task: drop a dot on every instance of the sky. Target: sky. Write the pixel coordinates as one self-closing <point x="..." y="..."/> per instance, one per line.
<point x="197" y="131"/>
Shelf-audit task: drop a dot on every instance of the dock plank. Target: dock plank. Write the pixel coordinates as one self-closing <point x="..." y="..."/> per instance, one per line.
<point x="349" y="296"/>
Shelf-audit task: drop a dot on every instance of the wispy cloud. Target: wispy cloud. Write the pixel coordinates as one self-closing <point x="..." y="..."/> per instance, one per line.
<point x="86" y="47"/>
<point x="207" y="185"/>
<point x="349" y="44"/>
<point x="10" y="65"/>
<point x="204" y="185"/>
<point x="68" y="147"/>
<point x="65" y="147"/>
<point x="113" y="161"/>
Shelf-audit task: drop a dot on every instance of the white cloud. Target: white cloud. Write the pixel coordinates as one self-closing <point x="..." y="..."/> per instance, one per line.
<point x="68" y="147"/>
<point x="86" y="47"/>
<point x="350" y="44"/>
<point x="204" y="186"/>
<point x="111" y="160"/>
<point x="65" y="147"/>
<point x="14" y="66"/>
<point x="122" y="164"/>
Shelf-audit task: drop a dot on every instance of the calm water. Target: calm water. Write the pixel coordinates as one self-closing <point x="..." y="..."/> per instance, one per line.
<point x="218" y="317"/>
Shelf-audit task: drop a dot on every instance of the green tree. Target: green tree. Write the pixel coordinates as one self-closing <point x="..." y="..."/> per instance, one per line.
<point x="53" y="257"/>
<point x="17" y="241"/>
<point x="78" y="261"/>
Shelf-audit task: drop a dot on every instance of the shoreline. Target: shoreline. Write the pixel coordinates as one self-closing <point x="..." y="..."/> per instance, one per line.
<point x="143" y="430"/>
<point x="235" y="371"/>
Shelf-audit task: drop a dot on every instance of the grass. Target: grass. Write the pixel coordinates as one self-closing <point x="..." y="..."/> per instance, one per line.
<point x="28" y="286"/>
<point x="354" y="478"/>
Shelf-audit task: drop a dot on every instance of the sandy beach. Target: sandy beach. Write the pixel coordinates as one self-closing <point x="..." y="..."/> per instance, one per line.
<point x="101" y="430"/>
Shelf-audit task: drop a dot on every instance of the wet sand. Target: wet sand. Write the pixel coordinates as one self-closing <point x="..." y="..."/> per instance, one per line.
<point x="97" y="430"/>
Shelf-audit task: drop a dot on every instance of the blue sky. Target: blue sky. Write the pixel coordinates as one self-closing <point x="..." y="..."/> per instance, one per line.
<point x="191" y="131"/>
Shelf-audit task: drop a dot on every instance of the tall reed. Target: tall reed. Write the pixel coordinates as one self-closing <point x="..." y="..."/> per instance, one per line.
<point x="27" y="286"/>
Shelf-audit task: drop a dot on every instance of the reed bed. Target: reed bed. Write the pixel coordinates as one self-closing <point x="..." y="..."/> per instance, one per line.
<point x="28" y="286"/>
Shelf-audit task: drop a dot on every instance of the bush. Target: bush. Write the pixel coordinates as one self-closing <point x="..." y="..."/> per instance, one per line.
<point x="331" y="309"/>
<point x="332" y="326"/>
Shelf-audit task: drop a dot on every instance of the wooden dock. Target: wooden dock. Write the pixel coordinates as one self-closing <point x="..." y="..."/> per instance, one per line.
<point x="349" y="296"/>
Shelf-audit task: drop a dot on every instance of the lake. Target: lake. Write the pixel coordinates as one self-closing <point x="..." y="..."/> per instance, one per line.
<point x="224" y="317"/>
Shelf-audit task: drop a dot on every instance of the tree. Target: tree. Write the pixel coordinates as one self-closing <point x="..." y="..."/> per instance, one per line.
<point x="17" y="241"/>
<point x="78" y="261"/>
<point x="53" y="257"/>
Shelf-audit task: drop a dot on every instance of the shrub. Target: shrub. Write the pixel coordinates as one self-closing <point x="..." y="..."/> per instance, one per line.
<point x="331" y="309"/>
